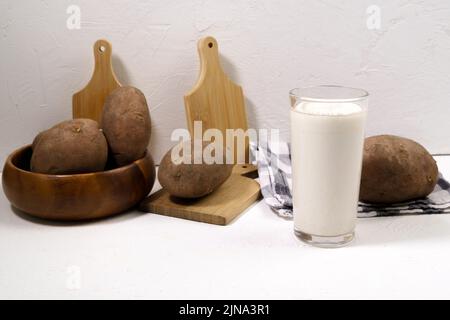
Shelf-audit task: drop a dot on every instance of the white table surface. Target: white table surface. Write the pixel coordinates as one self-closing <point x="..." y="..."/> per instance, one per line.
<point x="138" y="255"/>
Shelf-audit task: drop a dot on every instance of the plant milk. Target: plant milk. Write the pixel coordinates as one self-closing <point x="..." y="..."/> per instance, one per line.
<point x="327" y="144"/>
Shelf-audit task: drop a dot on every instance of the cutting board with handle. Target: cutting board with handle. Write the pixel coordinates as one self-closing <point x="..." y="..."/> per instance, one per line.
<point x="218" y="103"/>
<point x="88" y="102"/>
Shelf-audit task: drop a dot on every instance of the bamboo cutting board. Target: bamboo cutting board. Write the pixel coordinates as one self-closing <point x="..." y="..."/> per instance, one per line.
<point x="218" y="103"/>
<point x="215" y="100"/>
<point x="220" y="207"/>
<point x="88" y="103"/>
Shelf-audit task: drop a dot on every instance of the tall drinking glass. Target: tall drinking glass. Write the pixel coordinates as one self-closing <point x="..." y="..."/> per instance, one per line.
<point x="327" y="137"/>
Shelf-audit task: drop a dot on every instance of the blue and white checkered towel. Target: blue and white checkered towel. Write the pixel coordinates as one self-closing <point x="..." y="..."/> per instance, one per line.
<point x="274" y="170"/>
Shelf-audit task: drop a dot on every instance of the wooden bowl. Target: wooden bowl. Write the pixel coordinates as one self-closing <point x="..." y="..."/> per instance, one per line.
<point x="75" y="196"/>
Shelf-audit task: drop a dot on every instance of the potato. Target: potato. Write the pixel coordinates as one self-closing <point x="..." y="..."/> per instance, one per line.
<point x="190" y="180"/>
<point x="396" y="169"/>
<point x="126" y="124"/>
<point x="73" y="146"/>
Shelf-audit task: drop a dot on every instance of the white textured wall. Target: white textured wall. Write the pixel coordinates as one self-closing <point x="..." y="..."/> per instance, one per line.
<point x="268" y="47"/>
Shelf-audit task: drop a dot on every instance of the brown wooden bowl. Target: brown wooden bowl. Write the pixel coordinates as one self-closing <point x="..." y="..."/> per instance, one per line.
<point x="75" y="196"/>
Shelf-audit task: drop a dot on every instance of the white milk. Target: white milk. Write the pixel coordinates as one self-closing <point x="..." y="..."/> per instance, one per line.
<point x="327" y="144"/>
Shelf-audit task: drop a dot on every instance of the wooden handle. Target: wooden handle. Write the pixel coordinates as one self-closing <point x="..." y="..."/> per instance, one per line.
<point x="208" y="50"/>
<point x="103" y="62"/>
<point x="88" y="102"/>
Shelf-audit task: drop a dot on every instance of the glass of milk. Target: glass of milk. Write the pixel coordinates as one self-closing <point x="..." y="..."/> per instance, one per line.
<point x="327" y="137"/>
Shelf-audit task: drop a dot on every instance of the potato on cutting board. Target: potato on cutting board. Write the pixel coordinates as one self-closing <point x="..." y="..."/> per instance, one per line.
<point x="396" y="169"/>
<point x="193" y="178"/>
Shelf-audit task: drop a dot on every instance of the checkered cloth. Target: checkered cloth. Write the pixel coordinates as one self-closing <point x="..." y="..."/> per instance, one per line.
<point x="274" y="169"/>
